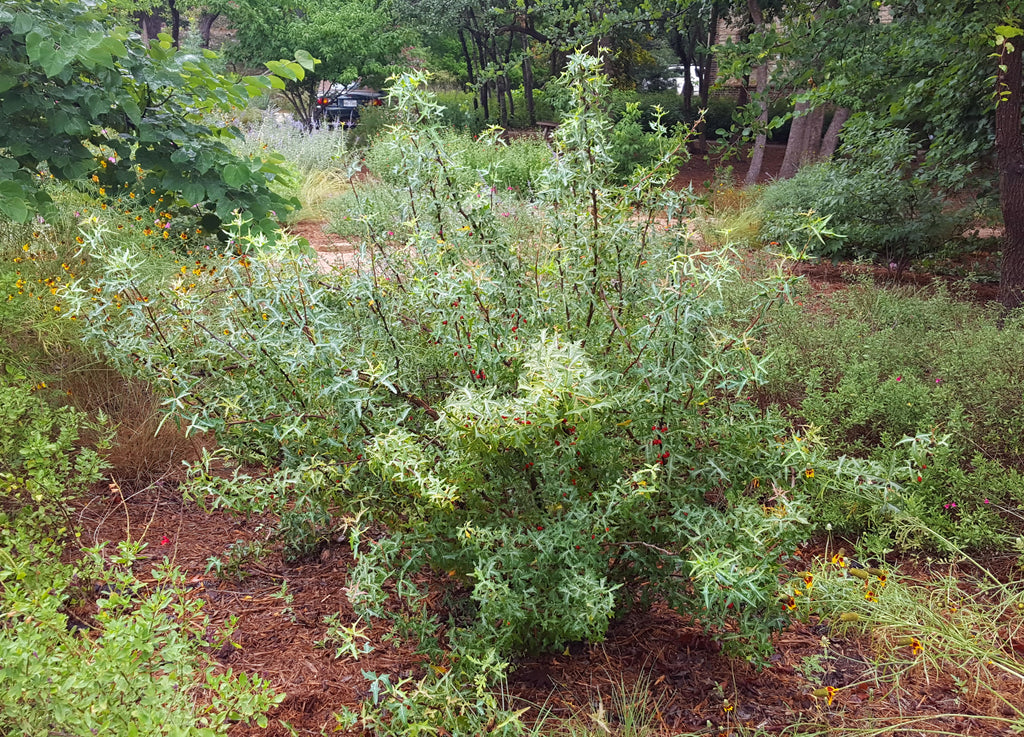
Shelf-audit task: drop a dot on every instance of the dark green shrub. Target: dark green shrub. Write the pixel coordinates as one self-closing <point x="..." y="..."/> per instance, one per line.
<point x="878" y="206"/>
<point x="372" y="120"/>
<point x="458" y="111"/>
<point x="719" y="115"/>
<point x="542" y="107"/>
<point x="631" y="144"/>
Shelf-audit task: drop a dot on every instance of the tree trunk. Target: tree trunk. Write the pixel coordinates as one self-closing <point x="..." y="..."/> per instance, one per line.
<point x="499" y="84"/>
<point x="531" y="112"/>
<point x="172" y="5"/>
<point x="484" y="83"/>
<point x="761" y="93"/>
<point x="150" y="24"/>
<point x="830" y="141"/>
<point x="797" y="141"/>
<point x="1010" y="161"/>
<point x="706" y="80"/>
<point x="506" y="82"/>
<point x="206" y="21"/>
<point x="687" y="60"/>
<point x="812" y="135"/>
<point x="469" y="66"/>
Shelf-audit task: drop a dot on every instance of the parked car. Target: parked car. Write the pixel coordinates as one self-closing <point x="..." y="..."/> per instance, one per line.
<point x="339" y="105"/>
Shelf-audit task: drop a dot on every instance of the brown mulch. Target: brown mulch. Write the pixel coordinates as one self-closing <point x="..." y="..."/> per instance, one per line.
<point x="692" y="685"/>
<point x="700" y="169"/>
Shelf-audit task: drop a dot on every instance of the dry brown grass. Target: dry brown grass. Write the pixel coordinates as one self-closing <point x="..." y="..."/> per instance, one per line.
<point x="140" y="454"/>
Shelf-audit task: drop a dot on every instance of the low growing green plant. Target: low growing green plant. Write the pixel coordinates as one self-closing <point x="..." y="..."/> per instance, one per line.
<point x="883" y="364"/>
<point x="136" y="665"/>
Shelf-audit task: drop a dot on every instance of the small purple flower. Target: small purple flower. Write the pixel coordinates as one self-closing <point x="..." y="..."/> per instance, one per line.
<point x="899" y="378"/>
<point x="986" y="501"/>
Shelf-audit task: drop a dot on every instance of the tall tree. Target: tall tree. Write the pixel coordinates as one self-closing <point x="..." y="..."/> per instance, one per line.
<point x="1010" y="161"/>
<point x="949" y="70"/>
<point x="760" y="97"/>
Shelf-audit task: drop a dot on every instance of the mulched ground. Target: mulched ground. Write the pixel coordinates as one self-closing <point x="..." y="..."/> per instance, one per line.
<point x="693" y="687"/>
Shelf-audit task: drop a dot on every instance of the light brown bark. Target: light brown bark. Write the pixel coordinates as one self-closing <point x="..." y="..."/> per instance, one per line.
<point x="796" y="142"/>
<point x="761" y="87"/>
<point x="830" y="141"/>
<point x="812" y="135"/>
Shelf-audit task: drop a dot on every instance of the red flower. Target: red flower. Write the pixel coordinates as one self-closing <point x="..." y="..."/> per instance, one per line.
<point x="165" y="540"/>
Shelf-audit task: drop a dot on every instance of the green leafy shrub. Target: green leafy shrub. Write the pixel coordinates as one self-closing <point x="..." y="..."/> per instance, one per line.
<point x="372" y="120"/>
<point x="631" y="146"/>
<point x="136" y="666"/>
<point x="41" y="463"/>
<point x="878" y="206"/>
<point x="719" y="114"/>
<point x="557" y="421"/>
<point x="542" y="108"/>
<point x="72" y="86"/>
<point x="458" y="112"/>
<point x="503" y="165"/>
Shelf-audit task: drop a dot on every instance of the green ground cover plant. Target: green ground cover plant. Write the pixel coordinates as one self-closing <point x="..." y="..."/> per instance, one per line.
<point x="135" y="666"/>
<point x="881" y="364"/>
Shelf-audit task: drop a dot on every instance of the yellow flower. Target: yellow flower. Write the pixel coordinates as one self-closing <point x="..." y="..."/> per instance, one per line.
<point x="829" y="693"/>
<point x="809" y="473"/>
<point x="103" y="191"/>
